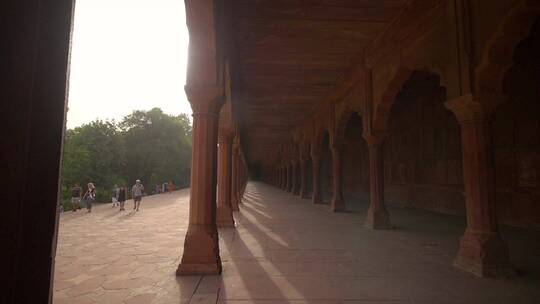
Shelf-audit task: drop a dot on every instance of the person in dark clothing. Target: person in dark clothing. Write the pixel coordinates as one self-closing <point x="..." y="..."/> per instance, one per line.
<point x="122" y="197"/>
<point x="76" y="198"/>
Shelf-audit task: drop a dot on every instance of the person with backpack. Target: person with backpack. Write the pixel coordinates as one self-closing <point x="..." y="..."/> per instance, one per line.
<point x="76" y="192"/>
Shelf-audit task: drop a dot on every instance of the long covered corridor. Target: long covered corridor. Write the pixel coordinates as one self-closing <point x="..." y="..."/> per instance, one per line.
<point x="395" y="139"/>
<point x="283" y="250"/>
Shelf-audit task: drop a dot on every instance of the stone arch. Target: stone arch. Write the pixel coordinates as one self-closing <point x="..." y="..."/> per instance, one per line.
<point x="341" y="124"/>
<point x="498" y="55"/>
<point x="423" y="148"/>
<point x="515" y="133"/>
<point x="383" y="108"/>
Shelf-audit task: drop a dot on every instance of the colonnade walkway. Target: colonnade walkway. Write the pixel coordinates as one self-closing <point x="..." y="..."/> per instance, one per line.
<point x="283" y="250"/>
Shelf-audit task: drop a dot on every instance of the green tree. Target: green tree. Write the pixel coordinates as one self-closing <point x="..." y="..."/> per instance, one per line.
<point x="158" y="147"/>
<point x="147" y="145"/>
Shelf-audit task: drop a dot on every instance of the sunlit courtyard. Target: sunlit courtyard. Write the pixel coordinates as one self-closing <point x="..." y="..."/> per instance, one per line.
<point x="283" y="250"/>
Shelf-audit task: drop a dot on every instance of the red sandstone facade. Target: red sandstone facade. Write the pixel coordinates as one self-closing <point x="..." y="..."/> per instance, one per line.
<point x="427" y="104"/>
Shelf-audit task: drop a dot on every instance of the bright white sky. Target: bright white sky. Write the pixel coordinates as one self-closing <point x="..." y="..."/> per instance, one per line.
<point x="127" y="55"/>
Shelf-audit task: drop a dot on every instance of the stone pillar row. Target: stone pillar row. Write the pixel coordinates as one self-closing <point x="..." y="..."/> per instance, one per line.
<point x="482" y="250"/>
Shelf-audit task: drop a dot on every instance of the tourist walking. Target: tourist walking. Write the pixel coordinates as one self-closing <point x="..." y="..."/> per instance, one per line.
<point x="114" y="196"/>
<point x="122" y="197"/>
<point x="76" y="193"/>
<point x="164" y="187"/>
<point x="137" y="192"/>
<point x="170" y="187"/>
<point x="90" y="196"/>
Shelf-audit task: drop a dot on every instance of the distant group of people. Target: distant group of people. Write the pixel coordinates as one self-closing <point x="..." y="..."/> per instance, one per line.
<point x="119" y="195"/>
<point x="89" y="197"/>
<point x="164" y="187"/>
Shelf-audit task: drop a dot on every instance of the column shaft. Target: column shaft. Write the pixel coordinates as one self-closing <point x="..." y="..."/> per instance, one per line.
<point x="316" y="196"/>
<point x="377" y="215"/>
<point x="201" y="246"/>
<point x="284" y="178"/>
<point x="338" y="203"/>
<point x="224" y="208"/>
<point x="234" y="180"/>
<point x="303" y="179"/>
<point x="482" y="250"/>
<point x="295" y="179"/>
<point x="289" y="178"/>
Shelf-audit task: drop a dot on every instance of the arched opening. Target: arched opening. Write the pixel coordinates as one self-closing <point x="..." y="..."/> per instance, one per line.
<point x="422" y="155"/>
<point x="326" y="170"/>
<point x="516" y="138"/>
<point x="355" y="165"/>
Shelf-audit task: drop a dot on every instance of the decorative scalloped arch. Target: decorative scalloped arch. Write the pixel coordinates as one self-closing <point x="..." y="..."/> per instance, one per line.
<point x="341" y="124"/>
<point x="498" y="55"/>
<point x="383" y="108"/>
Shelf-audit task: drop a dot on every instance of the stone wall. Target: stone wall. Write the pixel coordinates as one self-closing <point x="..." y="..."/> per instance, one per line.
<point x="516" y="139"/>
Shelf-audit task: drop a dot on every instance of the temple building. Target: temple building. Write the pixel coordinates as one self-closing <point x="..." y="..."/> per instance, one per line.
<point x="424" y="104"/>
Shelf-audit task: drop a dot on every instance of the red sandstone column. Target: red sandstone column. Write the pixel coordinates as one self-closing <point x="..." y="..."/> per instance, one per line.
<point x="280" y="176"/>
<point x="338" y="203"/>
<point x="224" y="217"/>
<point x="289" y="178"/>
<point x="377" y="215"/>
<point x="242" y="177"/>
<point x="482" y="250"/>
<point x="295" y="182"/>
<point x="234" y="179"/>
<point x="201" y="246"/>
<point x="316" y="196"/>
<point x="284" y="178"/>
<point x="303" y="178"/>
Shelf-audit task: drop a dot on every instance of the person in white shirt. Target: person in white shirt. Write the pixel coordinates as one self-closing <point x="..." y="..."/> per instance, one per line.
<point x="137" y="192"/>
<point x="114" y="196"/>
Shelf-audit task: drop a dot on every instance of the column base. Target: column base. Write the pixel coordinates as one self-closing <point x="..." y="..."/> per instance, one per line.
<point x="224" y="218"/>
<point x="304" y="195"/>
<point x="484" y="255"/>
<point x="201" y="252"/>
<point x="337" y="205"/>
<point x="378" y="219"/>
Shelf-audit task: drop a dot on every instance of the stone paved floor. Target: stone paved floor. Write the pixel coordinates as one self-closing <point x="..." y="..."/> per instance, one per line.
<point x="284" y="250"/>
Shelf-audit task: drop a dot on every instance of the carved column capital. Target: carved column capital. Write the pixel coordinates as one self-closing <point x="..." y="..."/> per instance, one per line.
<point x="205" y="99"/>
<point x="470" y="108"/>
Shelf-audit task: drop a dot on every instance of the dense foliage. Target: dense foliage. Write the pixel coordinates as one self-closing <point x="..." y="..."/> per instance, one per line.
<point x="147" y="145"/>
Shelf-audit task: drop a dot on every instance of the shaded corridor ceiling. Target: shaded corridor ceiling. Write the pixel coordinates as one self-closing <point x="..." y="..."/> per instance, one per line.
<point x="290" y="55"/>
